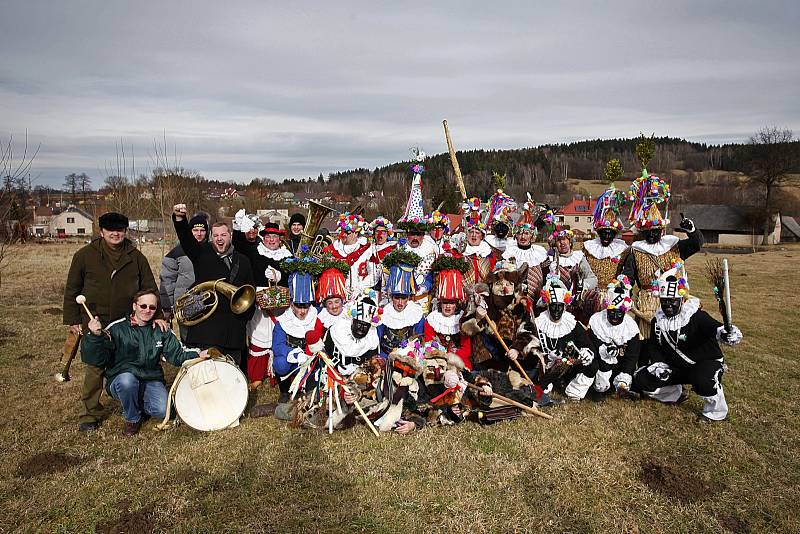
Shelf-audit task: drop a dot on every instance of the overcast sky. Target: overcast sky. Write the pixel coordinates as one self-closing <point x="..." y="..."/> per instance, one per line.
<point x="292" y="89"/>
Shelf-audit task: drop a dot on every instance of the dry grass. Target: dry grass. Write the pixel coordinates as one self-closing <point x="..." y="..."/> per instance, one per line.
<point x="581" y="472"/>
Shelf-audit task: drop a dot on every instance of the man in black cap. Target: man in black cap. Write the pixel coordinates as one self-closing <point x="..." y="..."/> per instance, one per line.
<point x="177" y="271"/>
<point x="296" y="224"/>
<point x="108" y="272"/>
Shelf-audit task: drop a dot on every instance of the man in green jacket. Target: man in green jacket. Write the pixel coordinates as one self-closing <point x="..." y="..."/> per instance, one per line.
<point x="108" y="272"/>
<point x="130" y="352"/>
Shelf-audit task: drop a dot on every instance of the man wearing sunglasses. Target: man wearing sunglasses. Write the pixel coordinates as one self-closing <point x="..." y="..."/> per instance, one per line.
<point x="130" y="351"/>
<point x="107" y="271"/>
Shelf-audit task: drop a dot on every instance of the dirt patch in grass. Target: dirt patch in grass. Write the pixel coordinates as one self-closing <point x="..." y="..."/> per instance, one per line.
<point x="25" y="356"/>
<point x="45" y="463"/>
<point x="52" y="311"/>
<point x="128" y="521"/>
<point x="185" y="476"/>
<point x="666" y="477"/>
<point x="734" y="523"/>
<point x="6" y="335"/>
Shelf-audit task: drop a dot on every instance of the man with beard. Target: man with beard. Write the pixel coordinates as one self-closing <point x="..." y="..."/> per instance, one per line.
<point x="402" y="317"/>
<point x="564" y="343"/>
<point x="656" y="252"/>
<point x="216" y="260"/>
<point x="684" y="346"/>
<point x="605" y="253"/>
<point x="289" y="336"/>
<point x="615" y="338"/>
<point x="523" y="250"/>
<point x="265" y="257"/>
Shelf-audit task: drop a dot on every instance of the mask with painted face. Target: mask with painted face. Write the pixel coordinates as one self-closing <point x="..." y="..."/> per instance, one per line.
<point x="671" y="307"/>
<point x="500" y="229"/>
<point x="606" y="236"/>
<point x="615" y="316"/>
<point x="653" y="236"/>
<point x="359" y="329"/>
<point x="556" y="310"/>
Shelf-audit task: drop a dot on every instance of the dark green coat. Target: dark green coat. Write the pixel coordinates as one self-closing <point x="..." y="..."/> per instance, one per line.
<point x="134" y="349"/>
<point x="108" y="291"/>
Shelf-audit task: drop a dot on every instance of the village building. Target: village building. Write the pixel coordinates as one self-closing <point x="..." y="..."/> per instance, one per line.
<point x="71" y="222"/>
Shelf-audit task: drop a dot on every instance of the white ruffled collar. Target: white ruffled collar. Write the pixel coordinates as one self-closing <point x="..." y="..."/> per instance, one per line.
<point x="533" y="256"/>
<point x="664" y="245"/>
<point x="483" y="250"/>
<point x="346" y="250"/>
<point x="546" y="326"/>
<point x="572" y="260"/>
<point x="278" y="254"/>
<point x="608" y="333"/>
<point x="596" y="250"/>
<point x="673" y="324"/>
<point x="342" y="335"/>
<point x="445" y="325"/>
<point x="394" y="319"/>
<point x="499" y="243"/>
<point x="296" y="327"/>
<point x="426" y="248"/>
<point x="327" y="319"/>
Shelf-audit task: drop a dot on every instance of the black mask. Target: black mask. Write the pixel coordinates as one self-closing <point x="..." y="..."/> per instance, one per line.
<point x="671" y="307"/>
<point x="556" y="310"/>
<point x="606" y="236"/>
<point x="500" y="230"/>
<point x="359" y="329"/>
<point x="615" y="316"/>
<point x="653" y="236"/>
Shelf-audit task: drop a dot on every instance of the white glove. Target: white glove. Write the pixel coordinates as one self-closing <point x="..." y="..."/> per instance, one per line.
<point x="237" y="219"/>
<point x="480" y="312"/>
<point x="608" y="353"/>
<point x="734" y="337"/>
<point x="246" y="224"/>
<point x="585" y="356"/>
<point x="421" y="291"/>
<point x="273" y="275"/>
<point x="660" y="370"/>
<point x="513" y="354"/>
<point x="316" y="347"/>
<point x="622" y="380"/>
<point x="487" y="390"/>
<point x="297" y="356"/>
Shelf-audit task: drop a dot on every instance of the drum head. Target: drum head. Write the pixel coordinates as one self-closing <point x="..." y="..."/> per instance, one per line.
<point x="212" y="395"/>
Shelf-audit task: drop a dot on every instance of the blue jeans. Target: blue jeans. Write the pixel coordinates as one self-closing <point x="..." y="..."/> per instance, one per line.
<point x="137" y="396"/>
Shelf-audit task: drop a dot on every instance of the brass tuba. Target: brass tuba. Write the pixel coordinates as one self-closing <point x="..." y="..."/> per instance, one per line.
<point x="316" y="213"/>
<point x="200" y="302"/>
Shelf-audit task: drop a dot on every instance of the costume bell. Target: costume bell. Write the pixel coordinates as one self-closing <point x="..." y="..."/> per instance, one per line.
<point x="684" y="348"/>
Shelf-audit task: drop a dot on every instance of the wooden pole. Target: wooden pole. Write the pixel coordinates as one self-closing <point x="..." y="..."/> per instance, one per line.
<point x="493" y="327"/>
<point x="510" y="402"/>
<point x="454" y="162"/>
<point x="325" y="358"/>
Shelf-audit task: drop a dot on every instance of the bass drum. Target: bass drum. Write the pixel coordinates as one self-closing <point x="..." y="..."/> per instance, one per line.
<point x="211" y="395"/>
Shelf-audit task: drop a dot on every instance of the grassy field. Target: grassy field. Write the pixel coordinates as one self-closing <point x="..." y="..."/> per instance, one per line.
<point x="615" y="467"/>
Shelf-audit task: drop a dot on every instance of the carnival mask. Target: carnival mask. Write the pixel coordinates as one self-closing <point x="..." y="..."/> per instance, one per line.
<point x="615" y="316"/>
<point x="556" y="310"/>
<point x="671" y="307"/>
<point x="500" y="229"/>
<point x="653" y="236"/>
<point x="606" y="236"/>
<point x="359" y="329"/>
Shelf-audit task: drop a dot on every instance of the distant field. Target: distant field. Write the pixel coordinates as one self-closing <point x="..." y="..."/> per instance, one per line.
<point x="615" y="467"/>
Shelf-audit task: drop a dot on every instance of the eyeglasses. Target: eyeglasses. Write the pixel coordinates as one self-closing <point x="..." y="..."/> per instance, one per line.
<point x="147" y="306"/>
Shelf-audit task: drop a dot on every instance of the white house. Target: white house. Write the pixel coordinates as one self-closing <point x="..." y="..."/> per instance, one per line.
<point x="72" y="222"/>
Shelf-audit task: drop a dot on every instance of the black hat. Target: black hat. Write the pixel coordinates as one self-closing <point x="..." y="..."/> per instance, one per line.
<point x="297" y="218"/>
<point x="271" y="228"/>
<point x="199" y="221"/>
<point x="113" y="221"/>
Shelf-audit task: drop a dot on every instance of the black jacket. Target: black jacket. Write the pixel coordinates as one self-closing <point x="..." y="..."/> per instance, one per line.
<point x="224" y="329"/>
<point x="697" y="341"/>
<point x="258" y="262"/>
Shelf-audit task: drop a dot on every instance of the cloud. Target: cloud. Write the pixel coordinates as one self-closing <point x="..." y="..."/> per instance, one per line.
<point x="294" y="89"/>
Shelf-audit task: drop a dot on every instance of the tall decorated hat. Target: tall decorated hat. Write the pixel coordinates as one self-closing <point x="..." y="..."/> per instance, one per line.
<point x="413" y="218"/>
<point x="527" y="217"/>
<point x="450" y="269"/>
<point x="301" y="288"/>
<point x="672" y="284"/>
<point x="473" y="210"/>
<point x="501" y="206"/>
<point x="554" y="290"/>
<point x="332" y="283"/>
<point x="350" y="222"/>
<point x="609" y="204"/>
<point x="618" y="294"/>
<point x="364" y="308"/>
<point x="647" y="191"/>
<point x="401" y="264"/>
<point x="303" y="272"/>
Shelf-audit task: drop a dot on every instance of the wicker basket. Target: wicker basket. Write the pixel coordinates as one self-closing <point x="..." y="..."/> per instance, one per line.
<point x="272" y="297"/>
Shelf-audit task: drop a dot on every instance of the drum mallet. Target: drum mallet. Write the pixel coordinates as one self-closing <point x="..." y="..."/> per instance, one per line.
<point x="80" y="299"/>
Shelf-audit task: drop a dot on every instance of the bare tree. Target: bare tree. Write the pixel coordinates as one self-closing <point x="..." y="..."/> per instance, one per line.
<point x="84" y="184"/>
<point x="71" y="185"/>
<point x="770" y="156"/>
